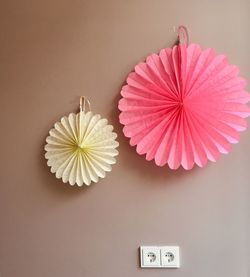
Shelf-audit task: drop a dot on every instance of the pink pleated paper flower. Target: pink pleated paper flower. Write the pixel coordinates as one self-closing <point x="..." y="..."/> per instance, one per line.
<point x="184" y="106"/>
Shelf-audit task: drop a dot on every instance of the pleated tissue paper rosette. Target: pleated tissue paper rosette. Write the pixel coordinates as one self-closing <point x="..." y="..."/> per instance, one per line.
<point x="81" y="147"/>
<point x="184" y="106"/>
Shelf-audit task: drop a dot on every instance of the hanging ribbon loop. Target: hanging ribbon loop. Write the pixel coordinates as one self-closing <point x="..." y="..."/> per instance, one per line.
<point x="84" y="102"/>
<point x="183" y="37"/>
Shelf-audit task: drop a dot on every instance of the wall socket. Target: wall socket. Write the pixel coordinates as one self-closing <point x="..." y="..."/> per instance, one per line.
<point x="160" y="256"/>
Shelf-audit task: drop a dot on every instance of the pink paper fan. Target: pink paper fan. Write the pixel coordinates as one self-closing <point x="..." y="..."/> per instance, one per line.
<point x="184" y="106"/>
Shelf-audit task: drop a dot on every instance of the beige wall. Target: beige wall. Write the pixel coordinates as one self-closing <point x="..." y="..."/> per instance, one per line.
<point x="52" y="51"/>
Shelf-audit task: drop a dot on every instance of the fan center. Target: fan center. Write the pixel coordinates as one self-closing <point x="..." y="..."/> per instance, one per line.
<point x="81" y="149"/>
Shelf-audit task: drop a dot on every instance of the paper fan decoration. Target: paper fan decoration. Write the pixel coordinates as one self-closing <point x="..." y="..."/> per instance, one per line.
<point x="184" y="106"/>
<point x="81" y="147"/>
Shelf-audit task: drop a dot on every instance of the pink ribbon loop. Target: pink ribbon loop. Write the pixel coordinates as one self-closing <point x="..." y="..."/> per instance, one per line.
<point x="183" y="37"/>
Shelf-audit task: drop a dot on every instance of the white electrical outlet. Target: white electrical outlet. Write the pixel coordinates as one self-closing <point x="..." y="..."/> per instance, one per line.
<point x="160" y="256"/>
<point x="170" y="256"/>
<point x="150" y="256"/>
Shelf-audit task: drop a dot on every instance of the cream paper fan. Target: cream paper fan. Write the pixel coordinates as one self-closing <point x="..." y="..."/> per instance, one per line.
<point x="81" y="147"/>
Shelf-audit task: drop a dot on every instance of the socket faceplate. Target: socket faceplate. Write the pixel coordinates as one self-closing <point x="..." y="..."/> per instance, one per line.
<point x="160" y="256"/>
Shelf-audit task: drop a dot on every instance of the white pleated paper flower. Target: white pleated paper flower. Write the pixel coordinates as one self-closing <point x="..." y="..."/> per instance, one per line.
<point x="81" y="148"/>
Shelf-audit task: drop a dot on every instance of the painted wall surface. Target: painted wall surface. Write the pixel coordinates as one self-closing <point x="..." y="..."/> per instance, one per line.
<point x="51" y="52"/>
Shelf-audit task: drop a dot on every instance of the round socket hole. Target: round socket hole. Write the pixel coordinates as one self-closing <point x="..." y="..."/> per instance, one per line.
<point x="151" y="256"/>
<point x="169" y="256"/>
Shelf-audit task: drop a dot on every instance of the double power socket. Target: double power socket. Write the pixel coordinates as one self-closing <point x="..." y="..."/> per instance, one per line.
<point x="160" y="256"/>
